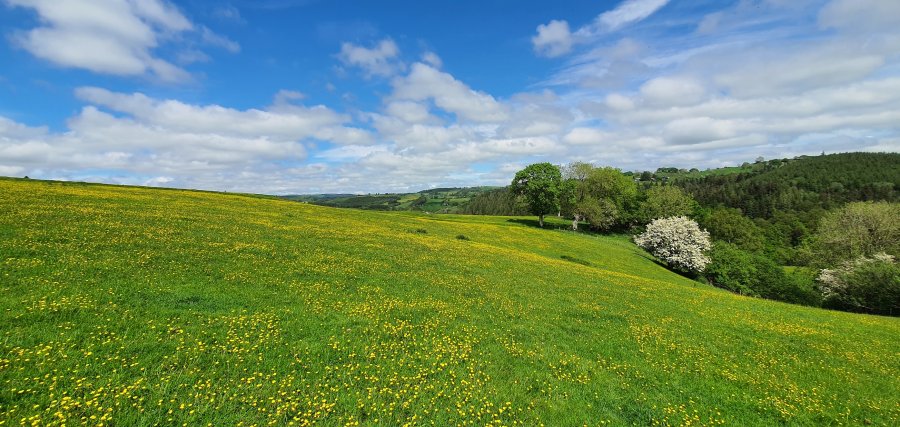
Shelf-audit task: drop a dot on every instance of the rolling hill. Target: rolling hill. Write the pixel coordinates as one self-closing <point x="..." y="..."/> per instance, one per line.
<point x="435" y="200"/>
<point x="139" y="306"/>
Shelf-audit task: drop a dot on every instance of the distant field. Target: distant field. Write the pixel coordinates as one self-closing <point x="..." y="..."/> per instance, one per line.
<point x="134" y="306"/>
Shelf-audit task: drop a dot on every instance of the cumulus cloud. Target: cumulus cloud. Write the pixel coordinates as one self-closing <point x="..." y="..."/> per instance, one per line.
<point x="553" y="39"/>
<point x="148" y="139"/>
<point x="115" y="37"/>
<point x="380" y="60"/>
<point x="425" y="82"/>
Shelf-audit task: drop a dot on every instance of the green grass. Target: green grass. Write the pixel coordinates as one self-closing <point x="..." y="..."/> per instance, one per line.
<point x="135" y="306"/>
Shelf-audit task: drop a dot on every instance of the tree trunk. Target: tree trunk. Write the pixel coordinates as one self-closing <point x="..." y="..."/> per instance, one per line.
<point x="541" y="220"/>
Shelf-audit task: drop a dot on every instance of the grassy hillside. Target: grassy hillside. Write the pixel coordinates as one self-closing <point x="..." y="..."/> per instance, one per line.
<point x="135" y="306"/>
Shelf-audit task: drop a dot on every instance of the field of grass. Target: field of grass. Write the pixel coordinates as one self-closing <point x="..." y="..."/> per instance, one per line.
<point x="135" y="306"/>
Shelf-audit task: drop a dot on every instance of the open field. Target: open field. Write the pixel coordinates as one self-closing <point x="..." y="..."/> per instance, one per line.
<point x="136" y="306"/>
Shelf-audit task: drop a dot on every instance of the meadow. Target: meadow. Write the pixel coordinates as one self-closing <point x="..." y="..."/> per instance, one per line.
<point x="137" y="306"/>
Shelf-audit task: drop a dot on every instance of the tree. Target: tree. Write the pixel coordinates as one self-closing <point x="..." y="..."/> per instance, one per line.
<point x="665" y="201"/>
<point x="611" y="188"/>
<point x="756" y="275"/>
<point x="870" y="285"/>
<point x="857" y="230"/>
<point x="574" y="190"/>
<point x="601" y="213"/>
<point x="540" y="185"/>
<point x="678" y="241"/>
<point x="731" y="226"/>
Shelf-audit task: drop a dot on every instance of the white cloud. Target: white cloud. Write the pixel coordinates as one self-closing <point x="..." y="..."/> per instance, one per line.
<point x="669" y="91"/>
<point x="861" y="15"/>
<point x="110" y="36"/>
<point x="553" y="39"/>
<point x="628" y="12"/>
<point x="199" y="146"/>
<point x="424" y="82"/>
<point x="379" y="60"/>
<point x="409" y="111"/>
<point x="432" y="59"/>
<point x="556" y="39"/>
<point x="586" y="136"/>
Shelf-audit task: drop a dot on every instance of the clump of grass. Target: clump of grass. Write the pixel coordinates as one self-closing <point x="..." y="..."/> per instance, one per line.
<point x="419" y="231"/>
<point x="576" y="260"/>
<point x="462" y="237"/>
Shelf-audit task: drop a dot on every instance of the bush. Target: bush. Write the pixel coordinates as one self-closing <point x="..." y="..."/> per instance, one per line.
<point x="678" y="241"/>
<point x="868" y="285"/>
<point x="751" y="274"/>
<point x="462" y="237"/>
<point x="731" y="268"/>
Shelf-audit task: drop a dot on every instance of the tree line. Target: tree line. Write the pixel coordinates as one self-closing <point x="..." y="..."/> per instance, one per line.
<point x="834" y="246"/>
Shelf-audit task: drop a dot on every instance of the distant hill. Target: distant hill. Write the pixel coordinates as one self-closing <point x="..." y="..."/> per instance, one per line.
<point x="435" y="200"/>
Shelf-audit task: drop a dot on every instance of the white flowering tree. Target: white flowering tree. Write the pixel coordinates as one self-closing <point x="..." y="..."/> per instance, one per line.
<point x="678" y="241"/>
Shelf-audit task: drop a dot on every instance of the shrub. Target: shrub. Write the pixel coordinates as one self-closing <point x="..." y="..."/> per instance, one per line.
<point x="678" y="241"/>
<point x="731" y="268"/>
<point x="751" y="274"/>
<point x="868" y="285"/>
<point x="462" y="237"/>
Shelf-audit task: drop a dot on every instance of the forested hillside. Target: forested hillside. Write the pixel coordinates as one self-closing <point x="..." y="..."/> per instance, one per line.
<point x="802" y="184"/>
<point x="435" y="200"/>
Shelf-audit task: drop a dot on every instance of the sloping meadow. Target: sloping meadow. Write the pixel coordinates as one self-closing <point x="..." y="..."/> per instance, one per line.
<point x="136" y="306"/>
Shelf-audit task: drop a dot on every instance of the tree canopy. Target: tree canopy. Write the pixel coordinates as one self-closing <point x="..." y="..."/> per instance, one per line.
<point x="539" y="185"/>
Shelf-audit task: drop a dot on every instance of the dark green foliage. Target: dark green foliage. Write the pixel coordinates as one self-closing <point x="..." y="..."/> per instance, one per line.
<point x="857" y="230"/>
<point x="871" y="286"/>
<point x="576" y="260"/>
<point x="755" y="275"/>
<point x="802" y="184"/>
<point x="436" y="200"/>
<point x="420" y="231"/>
<point x="605" y="197"/>
<point x="731" y="268"/>
<point x="731" y="226"/>
<point x="664" y="201"/>
<point x="602" y="214"/>
<point x="539" y="185"/>
<point x="462" y="237"/>
<point x="498" y="201"/>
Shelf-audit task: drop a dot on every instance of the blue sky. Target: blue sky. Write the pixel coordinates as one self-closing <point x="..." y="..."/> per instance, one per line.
<point x="304" y="96"/>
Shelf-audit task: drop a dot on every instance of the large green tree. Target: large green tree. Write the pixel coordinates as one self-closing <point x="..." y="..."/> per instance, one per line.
<point x="856" y="230"/>
<point x="663" y="201"/>
<point x="540" y="185"/>
<point x="575" y="191"/>
<point x="610" y="194"/>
